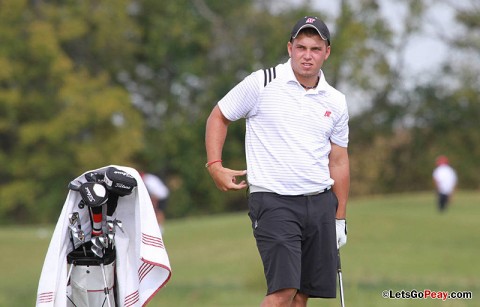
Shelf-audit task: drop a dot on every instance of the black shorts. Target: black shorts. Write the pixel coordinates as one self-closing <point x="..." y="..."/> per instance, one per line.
<point x="296" y="239"/>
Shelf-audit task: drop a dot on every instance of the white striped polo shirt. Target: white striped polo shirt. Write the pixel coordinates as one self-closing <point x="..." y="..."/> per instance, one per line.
<point x="288" y="129"/>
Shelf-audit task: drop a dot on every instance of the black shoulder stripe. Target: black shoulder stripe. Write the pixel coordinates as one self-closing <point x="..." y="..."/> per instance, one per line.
<point x="265" y="81"/>
<point x="269" y="74"/>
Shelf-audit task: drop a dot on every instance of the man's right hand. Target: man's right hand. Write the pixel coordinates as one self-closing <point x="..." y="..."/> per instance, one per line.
<point x="226" y="179"/>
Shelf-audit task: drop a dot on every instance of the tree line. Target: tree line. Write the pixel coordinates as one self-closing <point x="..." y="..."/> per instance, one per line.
<point x="84" y="84"/>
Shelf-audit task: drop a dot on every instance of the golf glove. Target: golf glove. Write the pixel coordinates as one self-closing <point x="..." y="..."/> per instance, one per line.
<point x="341" y="232"/>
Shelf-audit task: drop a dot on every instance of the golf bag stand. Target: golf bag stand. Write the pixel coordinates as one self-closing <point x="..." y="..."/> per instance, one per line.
<point x="91" y="279"/>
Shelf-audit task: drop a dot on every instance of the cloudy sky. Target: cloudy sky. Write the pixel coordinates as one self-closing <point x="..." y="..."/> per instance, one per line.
<point x="426" y="50"/>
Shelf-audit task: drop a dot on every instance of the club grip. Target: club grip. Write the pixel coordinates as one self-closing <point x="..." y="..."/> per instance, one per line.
<point x="339" y="263"/>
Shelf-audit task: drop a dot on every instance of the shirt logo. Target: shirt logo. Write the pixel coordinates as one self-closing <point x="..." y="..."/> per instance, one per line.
<point x="327" y="113"/>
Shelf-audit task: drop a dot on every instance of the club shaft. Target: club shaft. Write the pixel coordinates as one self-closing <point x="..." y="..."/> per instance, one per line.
<point x="70" y="271"/>
<point x="106" y="290"/>
<point x="340" y="280"/>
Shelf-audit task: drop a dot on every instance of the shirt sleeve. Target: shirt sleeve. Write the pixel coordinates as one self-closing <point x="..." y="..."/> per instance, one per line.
<point x="341" y="129"/>
<point x="240" y="102"/>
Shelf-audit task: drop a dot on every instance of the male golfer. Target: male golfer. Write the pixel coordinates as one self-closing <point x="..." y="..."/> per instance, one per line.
<point x="298" y="167"/>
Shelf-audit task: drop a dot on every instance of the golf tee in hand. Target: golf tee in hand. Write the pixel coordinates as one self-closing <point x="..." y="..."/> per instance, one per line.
<point x="341" y="226"/>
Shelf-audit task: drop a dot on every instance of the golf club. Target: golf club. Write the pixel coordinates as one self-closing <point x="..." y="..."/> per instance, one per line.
<point x="81" y="236"/>
<point x="119" y="224"/>
<point x="111" y="233"/>
<point x="340" y="281"/>
<point x="97" y="247"/>
<point x="70" y="272"/>
<point x="74" y="185"/>
<point x="72" y="218"/>
<point x="105" y="290"/>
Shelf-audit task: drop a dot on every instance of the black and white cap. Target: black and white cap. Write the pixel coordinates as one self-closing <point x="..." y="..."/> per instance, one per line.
<point x="311" y="22"/>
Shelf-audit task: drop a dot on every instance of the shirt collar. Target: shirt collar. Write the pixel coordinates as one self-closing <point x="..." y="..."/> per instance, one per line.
<point x="322" y="83"/>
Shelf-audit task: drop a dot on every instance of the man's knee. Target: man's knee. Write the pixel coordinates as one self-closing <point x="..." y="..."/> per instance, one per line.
<point x="300" y="300"/>
<point x="279" y="298"/>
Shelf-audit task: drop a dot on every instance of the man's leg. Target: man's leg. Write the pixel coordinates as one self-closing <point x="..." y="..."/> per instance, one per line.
<point x="442" y="202"/>
<point x="280" y="298"/>
<point x="277" y="231"/>
<point x="300" y="300"/>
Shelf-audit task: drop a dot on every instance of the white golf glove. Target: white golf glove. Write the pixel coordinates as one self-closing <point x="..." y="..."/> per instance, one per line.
<point x="341" y="232"/>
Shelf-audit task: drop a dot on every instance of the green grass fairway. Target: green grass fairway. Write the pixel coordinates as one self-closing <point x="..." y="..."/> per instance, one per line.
<point x="396" y="242"/>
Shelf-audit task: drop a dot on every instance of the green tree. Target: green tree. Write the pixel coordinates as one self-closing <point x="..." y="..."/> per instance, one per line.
<point x="445" y="116"/>
<point x="398" y="138"/>
<point x="192" y="53"/>
<point x="88" y="83"/>
<point x="378" y="131"/>
<point x="61" y="112"/>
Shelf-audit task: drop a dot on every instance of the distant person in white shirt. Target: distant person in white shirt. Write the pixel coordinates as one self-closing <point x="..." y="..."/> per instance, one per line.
<point x="159" y="193"/>
<point x="445" y="180"/>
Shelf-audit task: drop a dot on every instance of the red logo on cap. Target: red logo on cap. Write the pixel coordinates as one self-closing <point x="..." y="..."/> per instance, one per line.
<point x="310" y="20"/>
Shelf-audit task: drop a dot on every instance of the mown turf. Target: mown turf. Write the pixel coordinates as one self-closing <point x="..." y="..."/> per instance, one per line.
<point x="395" y="242"/>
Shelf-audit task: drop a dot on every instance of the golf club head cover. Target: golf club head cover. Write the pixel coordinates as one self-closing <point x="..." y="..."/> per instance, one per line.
<point x="112" y="204"/>
<point x="74" y="185"/>
<point x="93" y="194"/>
<point x="119" y="182"/>
<point x="94" y="177"/>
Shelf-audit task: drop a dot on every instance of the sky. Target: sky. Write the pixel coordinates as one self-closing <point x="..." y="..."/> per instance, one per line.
<point x="424" y="51"/>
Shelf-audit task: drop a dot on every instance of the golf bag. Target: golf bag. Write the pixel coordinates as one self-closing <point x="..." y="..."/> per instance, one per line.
<point x="107" y="248"/>
<point x="91" y="277"/>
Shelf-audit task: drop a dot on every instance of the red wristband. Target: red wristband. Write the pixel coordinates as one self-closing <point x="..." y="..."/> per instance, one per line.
<point x="212" y="162"/>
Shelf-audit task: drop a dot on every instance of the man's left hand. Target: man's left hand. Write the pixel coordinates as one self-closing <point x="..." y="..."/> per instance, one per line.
<point x="341" y="226"/>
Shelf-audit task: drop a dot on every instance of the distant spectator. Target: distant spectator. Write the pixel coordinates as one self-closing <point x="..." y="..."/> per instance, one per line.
<point x="158" y="194"/>
<point x="445" y="179"/>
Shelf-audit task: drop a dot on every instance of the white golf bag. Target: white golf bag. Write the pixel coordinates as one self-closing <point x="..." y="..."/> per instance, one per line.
<point x="95" y="260"/>
<point x="91" y="280"/>
<point x="91" y="275"/>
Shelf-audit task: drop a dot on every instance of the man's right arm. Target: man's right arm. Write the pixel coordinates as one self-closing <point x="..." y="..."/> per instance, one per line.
<point x="215" y="135"/>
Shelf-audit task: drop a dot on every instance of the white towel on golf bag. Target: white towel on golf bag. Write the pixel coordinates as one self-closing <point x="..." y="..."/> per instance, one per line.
<point x="142" y="263"/>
